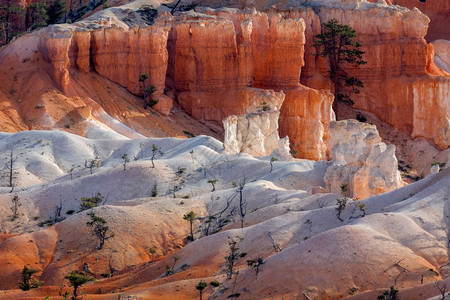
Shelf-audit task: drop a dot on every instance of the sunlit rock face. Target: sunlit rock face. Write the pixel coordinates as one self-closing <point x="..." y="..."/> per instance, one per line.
<point x="255" y="134"/>
<point x="362" y="164"/>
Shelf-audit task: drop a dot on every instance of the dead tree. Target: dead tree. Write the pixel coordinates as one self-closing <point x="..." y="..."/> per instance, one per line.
<point x="57" y="215"/>
<point x="10" y="167"/>
<point x="92" y="164"/>
<point x="242" y="202"/>
<point x="275" y="246"/>
<point x="442" y="289"/>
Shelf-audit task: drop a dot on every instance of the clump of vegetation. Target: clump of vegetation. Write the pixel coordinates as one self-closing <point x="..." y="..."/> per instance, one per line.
<point x="91" y="202"/>
<point x="214" y="283"/>
<point x="264" y="106"/>
<point x="171" y="269"/>
<point x="255" y="264"/>
<point x="391" y="294"/>
<point x="344" y="189"/>
<point x="28" y="282"/>
<point x="362" y="210"/>
<point x="438" y="163"/>
<point x="293" y="151"/>
<point x="360" y="117"/>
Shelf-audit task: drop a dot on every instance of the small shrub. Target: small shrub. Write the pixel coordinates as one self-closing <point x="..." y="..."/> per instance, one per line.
<point x="70" y="212"/>
<point x="360" y="117"/>
<point x="352" y="290"/>
<point x="391" y="294"/>
<point x="438" y="163"/>
<point x="154" y="190"/>
<point x="214" y="283"/>
<point x="169" y="270"/>
<point x="344" y="189"/>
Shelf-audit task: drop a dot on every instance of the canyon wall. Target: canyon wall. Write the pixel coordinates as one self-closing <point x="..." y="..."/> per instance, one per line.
<point x="216" y="62"/>
<point x="221" y="62"/>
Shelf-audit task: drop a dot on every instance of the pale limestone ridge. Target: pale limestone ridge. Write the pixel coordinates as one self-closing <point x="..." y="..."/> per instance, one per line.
<point x="361" y="161"/>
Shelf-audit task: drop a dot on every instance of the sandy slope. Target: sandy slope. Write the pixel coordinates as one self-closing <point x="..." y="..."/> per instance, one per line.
<point x="321" y="256"/>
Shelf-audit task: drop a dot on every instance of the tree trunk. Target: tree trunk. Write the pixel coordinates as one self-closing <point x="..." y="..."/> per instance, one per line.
<point x="192" y="233"/>
<point x="74" y="296"/>
<point x="335" y="102"/>
<point x="11" y="170"/>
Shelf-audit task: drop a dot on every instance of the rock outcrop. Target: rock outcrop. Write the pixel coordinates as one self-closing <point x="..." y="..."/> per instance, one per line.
<point x="255" y="134"/>
<point x="438" y="11"/>
<point x="114" y="50"/>
<point x="362" y="164"/>
<point x="442" y="54"/>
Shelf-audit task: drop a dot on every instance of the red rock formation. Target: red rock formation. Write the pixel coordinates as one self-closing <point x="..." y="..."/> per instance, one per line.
<point x="400" y="83"/>
<point x="118" y="54"/>
<point x="253" y="49"/>
<point x="305" y="117"/>
<point x="439" y="13"/>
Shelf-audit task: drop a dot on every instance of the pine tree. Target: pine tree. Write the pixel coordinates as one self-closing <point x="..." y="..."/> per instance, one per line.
<point x="10" y="20"/>
<point x="38" y="14"/>
<point x="337" y="42"/>
<point x="191" y="217"/>
<point x="77" y="279"/>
